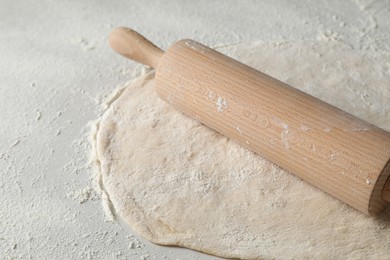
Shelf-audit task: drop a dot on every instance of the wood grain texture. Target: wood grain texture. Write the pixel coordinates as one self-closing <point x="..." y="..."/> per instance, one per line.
<point x="327" y="147"/>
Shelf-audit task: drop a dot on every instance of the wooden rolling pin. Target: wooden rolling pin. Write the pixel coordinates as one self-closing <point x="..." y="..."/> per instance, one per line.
<point x="327" y="147"/>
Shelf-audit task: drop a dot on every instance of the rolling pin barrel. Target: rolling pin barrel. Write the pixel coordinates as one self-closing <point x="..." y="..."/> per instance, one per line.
<point x="327" y="147"/>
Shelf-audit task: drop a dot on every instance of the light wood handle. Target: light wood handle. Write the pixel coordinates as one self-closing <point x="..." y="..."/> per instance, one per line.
<point x="134" y="46"/>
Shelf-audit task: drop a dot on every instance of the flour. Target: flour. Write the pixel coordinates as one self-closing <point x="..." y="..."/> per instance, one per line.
<point x="221" y="104"/>
<point x="239" y="130"/>
<point x="304" y="128"/>
<point x="83" y="195"/>
<point x="285" y="136"/>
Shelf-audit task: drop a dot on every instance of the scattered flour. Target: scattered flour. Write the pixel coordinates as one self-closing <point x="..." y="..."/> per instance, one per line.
<point x="83" y="195"/>
<point x="221" y="104"/>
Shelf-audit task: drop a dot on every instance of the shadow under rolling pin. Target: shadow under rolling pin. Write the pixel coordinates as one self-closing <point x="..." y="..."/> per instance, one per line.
<point x="325" y="146"/>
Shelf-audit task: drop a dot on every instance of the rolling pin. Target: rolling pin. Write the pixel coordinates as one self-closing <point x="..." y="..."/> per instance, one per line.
<point x="335" y="151"/>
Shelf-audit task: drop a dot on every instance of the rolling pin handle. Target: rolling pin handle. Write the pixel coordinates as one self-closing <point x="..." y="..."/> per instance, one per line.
<point x="134" y="46"/>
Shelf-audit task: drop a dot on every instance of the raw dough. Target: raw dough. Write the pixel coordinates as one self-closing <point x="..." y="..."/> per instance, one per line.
<point x="176" y="182"/>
